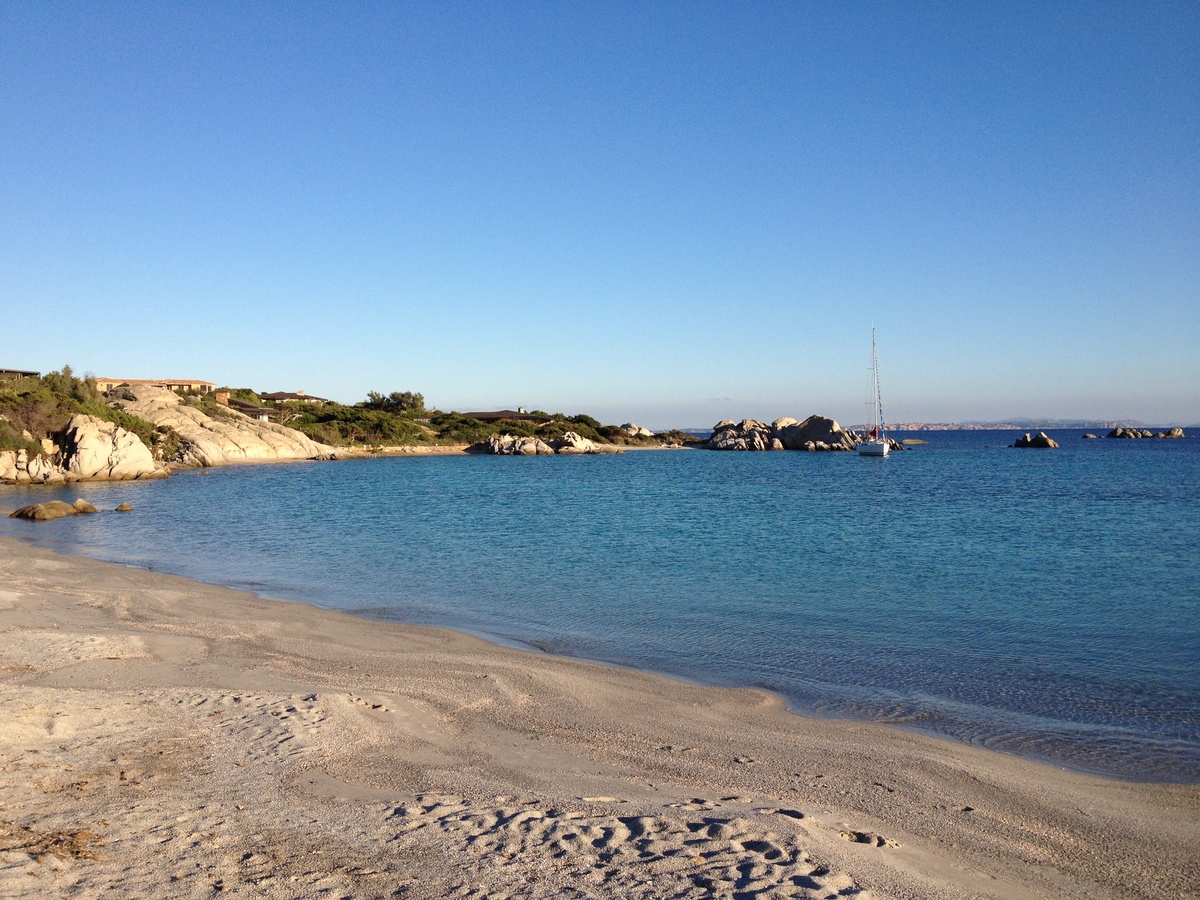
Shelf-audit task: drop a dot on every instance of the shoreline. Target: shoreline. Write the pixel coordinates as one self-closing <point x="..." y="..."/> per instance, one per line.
<point x="1129" y="772"/>
<point x="1069" y="764"/>
<point x="397" y="756"/>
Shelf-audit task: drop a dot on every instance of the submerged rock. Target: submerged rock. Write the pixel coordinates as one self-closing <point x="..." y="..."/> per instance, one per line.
<point x="124" y="507"/>
<point x="44" y="512"/>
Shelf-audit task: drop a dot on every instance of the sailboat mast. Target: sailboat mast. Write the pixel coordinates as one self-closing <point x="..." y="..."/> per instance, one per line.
<point x="875" y="388"/>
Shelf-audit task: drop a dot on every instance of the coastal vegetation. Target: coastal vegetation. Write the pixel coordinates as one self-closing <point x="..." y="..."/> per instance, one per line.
<point x="41" y="407"/>
<point x="401" y="419"/>
<point x="33" y="408"/>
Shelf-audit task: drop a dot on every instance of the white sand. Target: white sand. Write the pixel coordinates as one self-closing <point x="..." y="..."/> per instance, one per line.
<point x="164" y="738"/>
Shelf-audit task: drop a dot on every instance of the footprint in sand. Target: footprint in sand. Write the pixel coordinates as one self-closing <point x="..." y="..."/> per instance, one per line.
<point x="789" y="813"/>
<point x="866" y="837"/>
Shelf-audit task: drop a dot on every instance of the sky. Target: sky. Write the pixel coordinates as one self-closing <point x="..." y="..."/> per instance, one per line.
<point x="670" y="213"/>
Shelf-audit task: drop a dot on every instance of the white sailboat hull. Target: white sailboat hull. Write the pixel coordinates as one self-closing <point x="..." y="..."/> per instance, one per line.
<point x="875" y="444"/>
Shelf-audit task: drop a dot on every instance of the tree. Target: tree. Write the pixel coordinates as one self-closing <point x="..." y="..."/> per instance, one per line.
<point x="396" y="401"/>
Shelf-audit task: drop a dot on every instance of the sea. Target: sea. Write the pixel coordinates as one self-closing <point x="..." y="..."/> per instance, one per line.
<point x="1044" y="603"/>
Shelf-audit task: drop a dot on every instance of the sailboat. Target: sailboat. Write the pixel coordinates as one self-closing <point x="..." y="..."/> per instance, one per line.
<point x="876" y="443"/>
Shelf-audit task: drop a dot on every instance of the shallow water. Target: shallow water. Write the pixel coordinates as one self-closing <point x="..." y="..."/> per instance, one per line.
<point x="1038" y="602"/>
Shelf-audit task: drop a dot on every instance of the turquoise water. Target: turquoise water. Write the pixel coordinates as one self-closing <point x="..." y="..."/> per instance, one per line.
<point x="1038" y="602"/>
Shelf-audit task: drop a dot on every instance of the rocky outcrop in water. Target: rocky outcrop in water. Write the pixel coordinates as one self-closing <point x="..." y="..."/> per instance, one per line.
<point x="570" y="444"/>
<point x="1041" y="439"/>
<point x="508" y="445"/>
<point x="748" y="434"/>
<point x="89" y="449"/>
<point x="814" y="434"/>
<point x="52" y="509"/>
<point x="1130" y="433"/>
<point x="45" y="512"/>
<point x="230" y="437"/>
<point x="573" y="444"/>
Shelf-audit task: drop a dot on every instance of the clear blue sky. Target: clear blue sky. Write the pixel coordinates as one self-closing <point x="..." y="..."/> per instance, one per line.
<point x="666" y="212"/>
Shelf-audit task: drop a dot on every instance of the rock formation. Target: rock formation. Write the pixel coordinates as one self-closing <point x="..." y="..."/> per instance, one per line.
<point x="636" y="430"/>
<point x="816" y="433"/>
<point x="44" y="512"/>
<point x="508" y="445"/>
<point x="572" y="443"/>
<point x="98" y="450"/>
<point x="1041" y="439"/>
<point x="88" y="449"/>
<point x="232" y="437"/>
<point x="94" y="450"/>
<point x="1119" y="432"/>
<point x="748" y="434"/>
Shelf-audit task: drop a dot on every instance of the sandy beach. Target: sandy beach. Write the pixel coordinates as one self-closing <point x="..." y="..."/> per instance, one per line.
<point x="165" y="738"/>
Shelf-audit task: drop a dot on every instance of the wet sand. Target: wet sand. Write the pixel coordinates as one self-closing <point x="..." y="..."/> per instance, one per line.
<point x="165" y="738"/>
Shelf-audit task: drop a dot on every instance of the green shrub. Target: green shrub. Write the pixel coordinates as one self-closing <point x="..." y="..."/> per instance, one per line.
<point x="244" y="394"/>
<point x="12" y="439"/>
<point x="43" y="406"/>
<point x="452" y="428"/>
<point x="396" y="401"/>
<point x="357" y="425"/>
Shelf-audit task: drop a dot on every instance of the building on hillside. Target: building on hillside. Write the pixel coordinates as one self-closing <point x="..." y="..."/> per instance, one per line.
<point x="292" y="397"/>
<point x="186" y="385"/>
<point x="253" y="410"/>
<point x="12" y="374"/>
